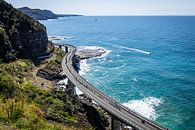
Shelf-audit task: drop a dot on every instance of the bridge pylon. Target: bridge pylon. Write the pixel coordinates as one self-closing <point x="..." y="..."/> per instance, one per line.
<point x="70" y="88"/>
<point x="66" y="49"/>
<point x="116" y="109"/>
<point x="116" y="124"/>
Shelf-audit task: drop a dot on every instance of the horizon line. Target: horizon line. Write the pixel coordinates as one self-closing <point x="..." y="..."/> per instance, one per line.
<point x="132" y="15"/>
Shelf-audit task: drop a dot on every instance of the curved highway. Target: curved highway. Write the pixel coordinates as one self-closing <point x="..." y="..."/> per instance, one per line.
<point x="122" y="113"/>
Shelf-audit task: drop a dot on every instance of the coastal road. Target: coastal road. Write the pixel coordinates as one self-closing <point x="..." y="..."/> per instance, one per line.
<point x="113" y="107"/>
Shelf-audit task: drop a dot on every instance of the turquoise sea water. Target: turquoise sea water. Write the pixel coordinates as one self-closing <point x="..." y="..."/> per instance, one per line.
<point x="151" y="67"/>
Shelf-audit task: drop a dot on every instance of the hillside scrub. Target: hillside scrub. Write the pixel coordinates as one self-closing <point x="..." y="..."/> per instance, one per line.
<point x="26" y="106"/>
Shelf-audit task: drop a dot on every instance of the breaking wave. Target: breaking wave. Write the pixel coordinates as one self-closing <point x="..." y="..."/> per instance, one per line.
<point x="84" y="67"/>
<point x="145" y="106"/>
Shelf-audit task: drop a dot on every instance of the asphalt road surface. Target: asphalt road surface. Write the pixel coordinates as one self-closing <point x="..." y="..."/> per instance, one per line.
<point x="113" y="107"/>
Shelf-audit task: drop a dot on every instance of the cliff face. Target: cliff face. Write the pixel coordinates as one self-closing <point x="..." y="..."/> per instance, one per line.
<point x="39" y="14"/>
<point x="20" y="35"/>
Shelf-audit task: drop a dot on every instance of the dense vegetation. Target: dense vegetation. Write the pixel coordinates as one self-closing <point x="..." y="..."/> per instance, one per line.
<point x="24" y="105"/>
<point x="20" y="35"/>
<point x="39" y="14"/>
<point x="51" y="71"/>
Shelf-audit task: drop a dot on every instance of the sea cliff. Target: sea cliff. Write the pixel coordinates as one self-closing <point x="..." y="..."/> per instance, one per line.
<point x="30" y="97"/>
<point x="39" y="14"/>
<point x="20" y="35"/>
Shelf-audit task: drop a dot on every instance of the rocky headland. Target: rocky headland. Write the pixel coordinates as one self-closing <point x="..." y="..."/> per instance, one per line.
<point x="90" y="52"/>
<point x="30" y="97"/>
<point x="39" y="14"/>
<point x="20" y="35"/>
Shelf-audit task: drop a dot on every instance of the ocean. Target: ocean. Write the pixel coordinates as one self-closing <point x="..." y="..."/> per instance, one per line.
<point x="150" y="64"/>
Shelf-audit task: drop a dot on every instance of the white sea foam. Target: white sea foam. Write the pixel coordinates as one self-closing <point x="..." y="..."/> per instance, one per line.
<point x="97" y="48"/>
<point x="133" y="49"/>
<point x="48" y="20"/>
<point x="117" y="67"/>
<point x="135" y="79"/>
<point x="106" y="53"/>
<point x="53" y="38"/>
<point x="90" y="47"/>
<point x="84" y="67"/>
<point x="145" y="106"/>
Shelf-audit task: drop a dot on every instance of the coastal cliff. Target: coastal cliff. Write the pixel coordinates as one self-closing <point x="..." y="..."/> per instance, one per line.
<point x="20" y="35"/>
<point x="39" y="14"/>
<point x="87" y="114"/>
<point x="29" y="95"/>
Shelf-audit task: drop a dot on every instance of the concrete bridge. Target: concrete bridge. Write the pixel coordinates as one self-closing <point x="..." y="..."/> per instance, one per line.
<point x="114" y="108"/>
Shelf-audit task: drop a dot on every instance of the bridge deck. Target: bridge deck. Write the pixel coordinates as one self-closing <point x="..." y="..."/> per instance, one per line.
<point x="124" y="114"/>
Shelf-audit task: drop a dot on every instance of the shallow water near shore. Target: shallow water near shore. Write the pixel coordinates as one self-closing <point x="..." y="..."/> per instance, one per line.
<point x="151" y="67"/>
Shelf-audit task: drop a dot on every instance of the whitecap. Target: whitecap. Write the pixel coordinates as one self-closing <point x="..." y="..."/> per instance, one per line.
<point x="135" y="79"/>
<point x="145" y="106"/>
<point x="117" y="67"/>
<point x="133" y="49"/>
<point x="106" y="53"/>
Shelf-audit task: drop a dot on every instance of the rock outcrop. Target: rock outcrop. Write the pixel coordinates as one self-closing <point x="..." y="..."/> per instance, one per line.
<point x="90" y="52"/>
<point x="38" y="14"/>
<point x="20" y="35"/>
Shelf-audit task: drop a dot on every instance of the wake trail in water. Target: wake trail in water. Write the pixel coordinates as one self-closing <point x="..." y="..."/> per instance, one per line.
<point x="133" y="49"/>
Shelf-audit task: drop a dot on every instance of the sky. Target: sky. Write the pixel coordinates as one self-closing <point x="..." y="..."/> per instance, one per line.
<point x="111" y="7"/>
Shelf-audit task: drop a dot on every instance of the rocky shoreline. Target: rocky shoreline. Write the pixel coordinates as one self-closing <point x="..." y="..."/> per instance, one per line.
<point x="56" y="38"/>
<point x="82" y="54"/>
<point x="86" y="52"/>
<point x="91" y="114"/>
<point x="29" y="94"/>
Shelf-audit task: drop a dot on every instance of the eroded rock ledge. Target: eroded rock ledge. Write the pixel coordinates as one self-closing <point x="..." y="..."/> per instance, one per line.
<point x="90" y="52"/>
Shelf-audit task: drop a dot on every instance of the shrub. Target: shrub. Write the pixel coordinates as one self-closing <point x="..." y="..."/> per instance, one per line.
<point x="32" y="119"/>
<point x="7" y="85"/>
<point x="11" y="110"/>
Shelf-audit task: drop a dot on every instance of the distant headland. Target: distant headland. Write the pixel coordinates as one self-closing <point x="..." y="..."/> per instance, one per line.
<point x="39" y="14"/>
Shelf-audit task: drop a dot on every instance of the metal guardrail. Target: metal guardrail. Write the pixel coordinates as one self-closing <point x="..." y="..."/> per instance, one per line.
<point x="68" y="62"/>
